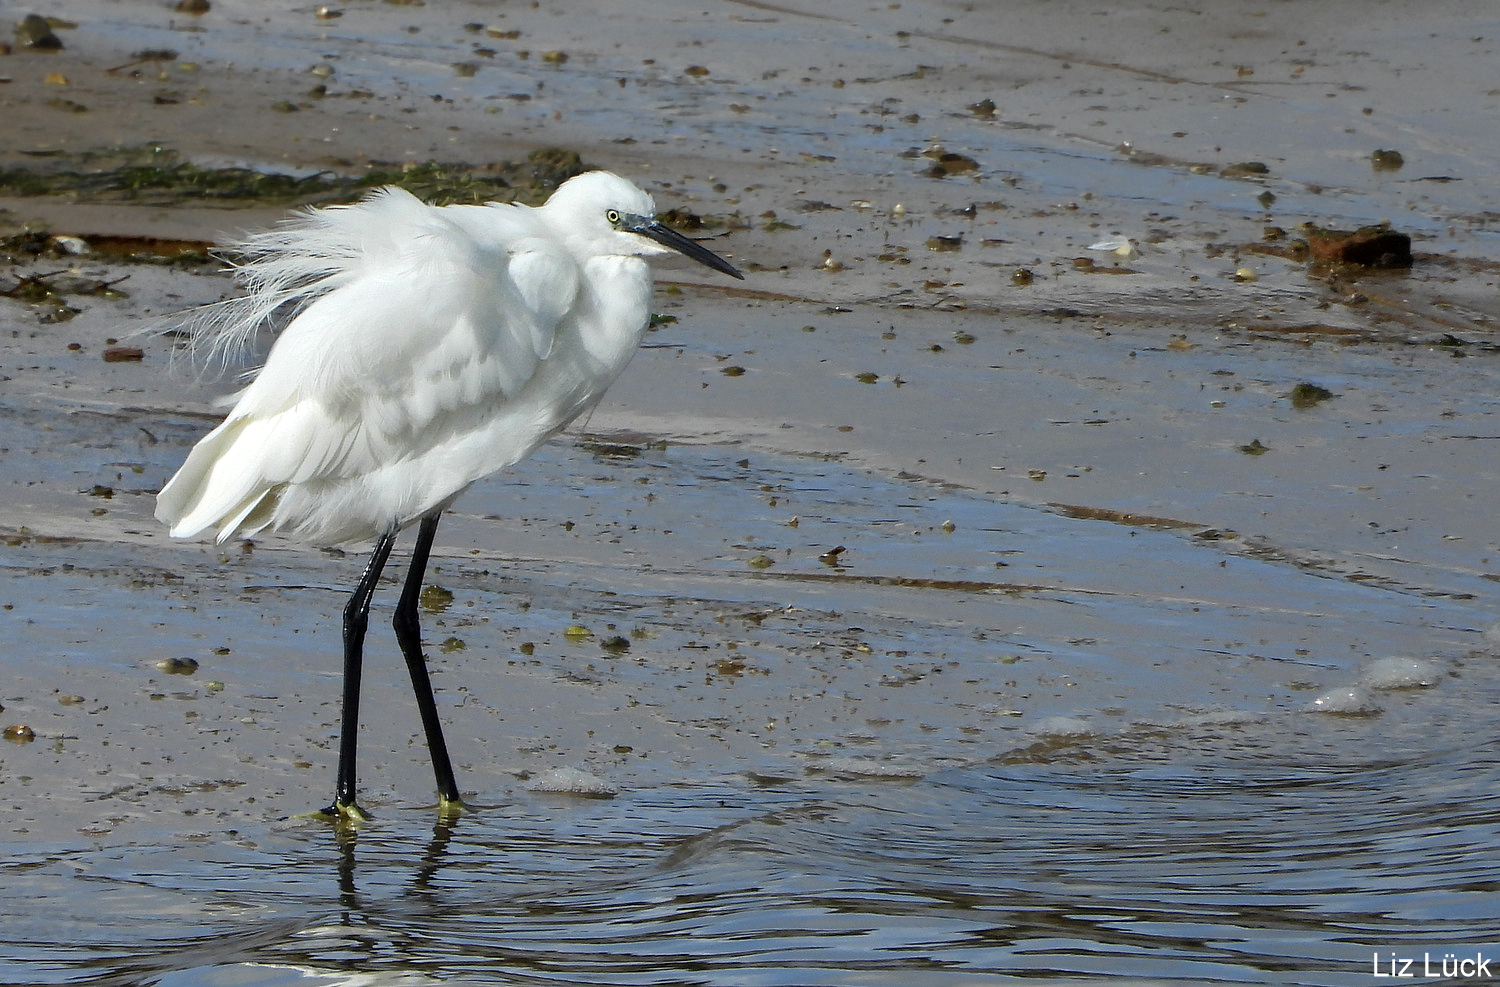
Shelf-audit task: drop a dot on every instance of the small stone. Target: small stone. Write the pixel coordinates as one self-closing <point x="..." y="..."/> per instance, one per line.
<point x="35" y="32"/>
<point x="1306" y="395"/>
<point x="1369" y="246"/>
<point x="951" y="163"/>
<point x="435" y="599"/>
<point x="1244" y="168"/>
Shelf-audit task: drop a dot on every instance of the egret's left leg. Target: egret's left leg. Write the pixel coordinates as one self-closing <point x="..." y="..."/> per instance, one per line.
<point x="356" y="617"/>
<point x="409" y="635"/>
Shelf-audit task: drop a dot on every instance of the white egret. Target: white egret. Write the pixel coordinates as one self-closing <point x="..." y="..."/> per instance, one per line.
<point x="430" y="346"/>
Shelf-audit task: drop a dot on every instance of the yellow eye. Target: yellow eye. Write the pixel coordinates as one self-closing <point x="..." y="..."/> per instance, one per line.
<point x="613" y="216"/>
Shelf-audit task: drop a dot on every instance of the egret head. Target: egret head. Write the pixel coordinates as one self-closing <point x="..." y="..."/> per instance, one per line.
<point x="619" y="218"/>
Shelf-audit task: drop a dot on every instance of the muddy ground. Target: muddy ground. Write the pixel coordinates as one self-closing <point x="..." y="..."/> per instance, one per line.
<point x="1068" y="481"/>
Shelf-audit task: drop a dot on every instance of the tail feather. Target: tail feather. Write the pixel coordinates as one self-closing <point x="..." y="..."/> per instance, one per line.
<point x="213" y="490"/>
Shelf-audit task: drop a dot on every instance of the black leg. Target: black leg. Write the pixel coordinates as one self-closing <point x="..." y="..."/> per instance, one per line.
<point x="409" y="636"/>
<point x="356" y="617"/>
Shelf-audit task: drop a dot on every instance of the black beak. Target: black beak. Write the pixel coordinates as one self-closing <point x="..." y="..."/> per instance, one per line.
<point x="668" y="237"/>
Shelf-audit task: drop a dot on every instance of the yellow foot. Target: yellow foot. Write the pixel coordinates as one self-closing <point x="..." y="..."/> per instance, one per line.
<point x="453" y="808"/>
<point x="340" y="814"/>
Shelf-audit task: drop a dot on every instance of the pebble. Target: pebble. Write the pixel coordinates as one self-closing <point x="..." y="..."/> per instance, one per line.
<point x="34" y="32"/>
<point x="1369" y="246"/>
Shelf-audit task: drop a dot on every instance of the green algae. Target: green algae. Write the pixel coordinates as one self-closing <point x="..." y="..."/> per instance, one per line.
<point x="160" y="176"/>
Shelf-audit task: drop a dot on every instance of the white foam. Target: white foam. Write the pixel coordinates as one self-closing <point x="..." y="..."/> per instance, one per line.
<point x="1348" y="700"/>
<point x="1220" y="718"/>
<point x="869" y="769"/>
<point x="285" y="975"/>
<point x="1492" y="639"/>
<point x="1399" y="672"/>
<point x="1062" y="726"/>
<point x="573" y="781"/>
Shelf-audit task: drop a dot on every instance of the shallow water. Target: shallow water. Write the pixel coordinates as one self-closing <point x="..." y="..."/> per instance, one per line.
<point x="875" y="784"/>
<point x="1090" y="694"/>
<point x="1189" y="859"/>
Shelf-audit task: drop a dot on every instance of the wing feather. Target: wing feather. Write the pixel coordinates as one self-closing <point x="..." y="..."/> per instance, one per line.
<point x="411" y="329"/>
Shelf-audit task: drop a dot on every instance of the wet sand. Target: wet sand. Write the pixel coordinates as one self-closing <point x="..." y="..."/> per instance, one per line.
<point x="1111" y="397"/>
<point x="1080" y="504"/>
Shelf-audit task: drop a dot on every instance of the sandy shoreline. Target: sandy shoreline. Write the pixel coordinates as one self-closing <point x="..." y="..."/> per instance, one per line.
<point x="1115" y="396"/>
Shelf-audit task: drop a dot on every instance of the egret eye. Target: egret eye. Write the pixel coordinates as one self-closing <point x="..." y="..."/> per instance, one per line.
<point x="613" y="216"/>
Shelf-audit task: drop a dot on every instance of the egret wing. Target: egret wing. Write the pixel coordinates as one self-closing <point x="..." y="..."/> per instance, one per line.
<point x="427" y="340"/>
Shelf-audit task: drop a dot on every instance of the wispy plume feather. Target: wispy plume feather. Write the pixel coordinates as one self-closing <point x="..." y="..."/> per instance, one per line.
<point x="282" y="270"/>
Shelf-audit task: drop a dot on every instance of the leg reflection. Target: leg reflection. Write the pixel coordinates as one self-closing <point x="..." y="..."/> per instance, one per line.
<point x="433" y="859"/>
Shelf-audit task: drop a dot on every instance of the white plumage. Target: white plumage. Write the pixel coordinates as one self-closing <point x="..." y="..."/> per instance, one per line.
<point x="430" y="346"/>
<point x="433" y="346"/>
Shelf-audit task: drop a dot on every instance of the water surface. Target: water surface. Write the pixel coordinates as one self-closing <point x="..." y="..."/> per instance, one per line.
<point x="1128" y="669"/>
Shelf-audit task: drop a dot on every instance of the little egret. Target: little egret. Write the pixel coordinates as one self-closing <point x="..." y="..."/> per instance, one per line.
<point x="430" y="346"/>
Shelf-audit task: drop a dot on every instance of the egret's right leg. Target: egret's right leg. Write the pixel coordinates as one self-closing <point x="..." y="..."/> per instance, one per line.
<point x="356" y="618"/>
<point x="408" y="627"/>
